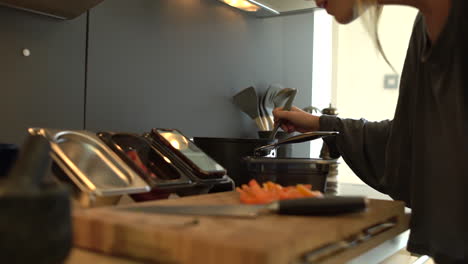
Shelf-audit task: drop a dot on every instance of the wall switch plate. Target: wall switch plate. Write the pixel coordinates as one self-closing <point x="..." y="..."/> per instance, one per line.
<point x="391" y="81"/>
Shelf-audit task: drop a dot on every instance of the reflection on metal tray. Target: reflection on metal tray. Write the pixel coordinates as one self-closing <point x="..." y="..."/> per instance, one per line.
<point x="152" y="165"/>
<point x="186" y="166"/>
<point x="163" y="172"/>
<point x="90" y="164"/>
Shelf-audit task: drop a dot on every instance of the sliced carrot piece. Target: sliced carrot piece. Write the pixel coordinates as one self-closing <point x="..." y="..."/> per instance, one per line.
<point x="317" y="193"/>
<point x="254" y="193"/>
<point x="240" y="191"/>
<point x="304" y="190"/>
<point x="247" y="199"/>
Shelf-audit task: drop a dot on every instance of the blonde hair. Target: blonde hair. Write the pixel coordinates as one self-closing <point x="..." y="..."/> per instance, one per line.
<point x="371" y="11"/>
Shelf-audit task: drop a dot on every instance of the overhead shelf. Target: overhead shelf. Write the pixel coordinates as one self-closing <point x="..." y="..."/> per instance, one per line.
<point x="62" y="9"/>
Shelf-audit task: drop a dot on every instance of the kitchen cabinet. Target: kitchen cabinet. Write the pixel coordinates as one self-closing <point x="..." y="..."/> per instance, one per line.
<point x="63" y="9"/>
<point x="266" y="239"/>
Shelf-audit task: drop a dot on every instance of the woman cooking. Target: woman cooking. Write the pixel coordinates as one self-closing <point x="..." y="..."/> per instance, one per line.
<point x="421" y="156"/>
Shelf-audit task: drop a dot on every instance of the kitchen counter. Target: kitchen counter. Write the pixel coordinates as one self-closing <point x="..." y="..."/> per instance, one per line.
<point x="374" y="255"/>
<point x="316" y="232"/>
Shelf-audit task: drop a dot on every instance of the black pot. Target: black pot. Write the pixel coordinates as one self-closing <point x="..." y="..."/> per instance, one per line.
<point x="289" y="171"/>
<point x="229" y="152"/>
<point x="284" y="151"/>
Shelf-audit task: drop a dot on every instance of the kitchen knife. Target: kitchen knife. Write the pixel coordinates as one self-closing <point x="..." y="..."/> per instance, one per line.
<point x="328" y="205"/>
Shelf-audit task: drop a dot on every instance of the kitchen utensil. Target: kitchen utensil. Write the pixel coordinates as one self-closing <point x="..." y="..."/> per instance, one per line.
<point x="268" y="103"/>
<point x="264" y="150"/>
<point x="306" y="206"/>
<point x="247" y="101"/>
<point x="35" y="226"/>
<point x="282" y="96"/>
<point x="288" y="93"/>
<point x="263" y="114"/>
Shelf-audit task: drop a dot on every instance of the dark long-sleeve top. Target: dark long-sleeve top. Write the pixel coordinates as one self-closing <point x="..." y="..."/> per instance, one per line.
<point x="421" y="156"/>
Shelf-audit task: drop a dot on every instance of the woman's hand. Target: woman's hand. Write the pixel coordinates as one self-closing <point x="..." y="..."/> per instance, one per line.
<point x="296" y="120"/>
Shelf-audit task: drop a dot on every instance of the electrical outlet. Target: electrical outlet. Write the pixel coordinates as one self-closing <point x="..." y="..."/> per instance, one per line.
<point x="391" y="81"/>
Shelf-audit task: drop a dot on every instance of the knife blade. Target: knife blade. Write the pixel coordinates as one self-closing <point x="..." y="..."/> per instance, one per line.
<point x="328" y="205"/>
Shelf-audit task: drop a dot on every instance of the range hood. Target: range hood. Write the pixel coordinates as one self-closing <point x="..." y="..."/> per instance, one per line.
<point x="266" y="8"/>
<point x="63" y="9"/>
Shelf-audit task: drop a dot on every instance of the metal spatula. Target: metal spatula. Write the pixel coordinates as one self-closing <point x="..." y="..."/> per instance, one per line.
<point x="288" y="93"/>
<point x="263" y="114"/>
<point x="247" y="101"/>
<point x="268" y="104"/>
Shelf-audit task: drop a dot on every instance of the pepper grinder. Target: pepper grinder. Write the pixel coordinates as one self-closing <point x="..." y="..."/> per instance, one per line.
<point x="332" y="181"/>
<point x="325" y="152"/>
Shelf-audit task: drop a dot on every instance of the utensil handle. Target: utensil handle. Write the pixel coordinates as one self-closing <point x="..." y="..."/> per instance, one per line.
<point x="275" y="130"/>
<point x="329" y="205"/>
<point x="307" y="137"/>
<point x="260" y="125"/>
<point x="263" y="150"/>
<point x="287" y="107"/>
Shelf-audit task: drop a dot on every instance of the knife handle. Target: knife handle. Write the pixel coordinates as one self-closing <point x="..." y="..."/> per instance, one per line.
<point x="328" y="205"/>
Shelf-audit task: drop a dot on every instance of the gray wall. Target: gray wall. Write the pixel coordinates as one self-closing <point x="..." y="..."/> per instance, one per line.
<point x="166" y="63"/>
<point x="47" y="88"/>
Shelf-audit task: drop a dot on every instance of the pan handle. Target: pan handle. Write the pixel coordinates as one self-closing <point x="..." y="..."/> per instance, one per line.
<point x="264" y="150"/>
<point x="328" y="205"/>
<point x="307" y="137"/>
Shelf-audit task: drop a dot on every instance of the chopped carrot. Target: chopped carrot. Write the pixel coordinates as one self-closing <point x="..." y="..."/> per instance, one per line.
<point x="304" y="190"/>
<point x="254" y="193"/>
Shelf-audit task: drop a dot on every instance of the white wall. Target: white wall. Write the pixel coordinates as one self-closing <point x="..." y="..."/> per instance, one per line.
<point x="358" y="70"/>
<point x="321" y="68"/>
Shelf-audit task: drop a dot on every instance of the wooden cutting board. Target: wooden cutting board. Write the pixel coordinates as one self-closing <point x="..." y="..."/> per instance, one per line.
<point x="202" y="239"/>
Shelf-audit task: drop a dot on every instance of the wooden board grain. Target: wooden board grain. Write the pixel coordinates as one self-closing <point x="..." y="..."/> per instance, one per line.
<point x="188" y="239"/>
<point x="79" y="256"/>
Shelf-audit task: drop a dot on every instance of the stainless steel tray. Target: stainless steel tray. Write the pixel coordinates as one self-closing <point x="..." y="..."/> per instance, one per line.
<point x="92" y="166"/>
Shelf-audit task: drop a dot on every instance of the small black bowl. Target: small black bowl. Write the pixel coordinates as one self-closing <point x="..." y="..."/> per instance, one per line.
<point x="8" y="155"/>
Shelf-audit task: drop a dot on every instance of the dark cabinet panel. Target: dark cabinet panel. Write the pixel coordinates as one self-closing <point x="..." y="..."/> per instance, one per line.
<point x="63" y="9"/>
<point x="45" y="89"/>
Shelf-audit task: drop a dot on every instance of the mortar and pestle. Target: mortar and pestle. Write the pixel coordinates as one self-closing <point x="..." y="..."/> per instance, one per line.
<point x="35" y="225"/>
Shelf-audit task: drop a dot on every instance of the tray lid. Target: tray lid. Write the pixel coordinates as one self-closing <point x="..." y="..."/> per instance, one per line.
<point x="90" y="164"/>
